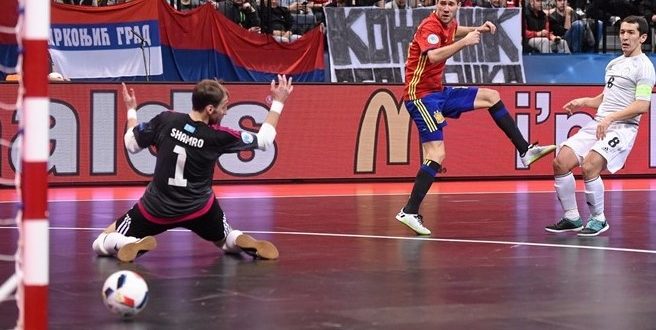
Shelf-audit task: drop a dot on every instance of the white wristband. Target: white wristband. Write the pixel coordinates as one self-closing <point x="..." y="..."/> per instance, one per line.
<point x="276" y="106"/>
<point x="132" y="114"/>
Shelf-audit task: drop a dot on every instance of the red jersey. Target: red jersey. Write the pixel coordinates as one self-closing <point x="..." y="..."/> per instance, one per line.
<point x="421" y="76"/>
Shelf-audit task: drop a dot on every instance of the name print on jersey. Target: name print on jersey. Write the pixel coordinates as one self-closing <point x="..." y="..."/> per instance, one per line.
<point x="186" y="139"/>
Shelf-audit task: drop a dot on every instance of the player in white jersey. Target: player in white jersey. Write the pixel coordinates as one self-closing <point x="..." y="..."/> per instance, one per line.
<point x="605" y="142"/>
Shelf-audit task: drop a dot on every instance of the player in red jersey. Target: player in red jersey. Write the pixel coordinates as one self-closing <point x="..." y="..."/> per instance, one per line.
<point x="437" y="38"/>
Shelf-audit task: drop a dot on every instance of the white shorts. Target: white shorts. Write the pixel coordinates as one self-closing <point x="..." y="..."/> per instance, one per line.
<point x="615" y="147"/>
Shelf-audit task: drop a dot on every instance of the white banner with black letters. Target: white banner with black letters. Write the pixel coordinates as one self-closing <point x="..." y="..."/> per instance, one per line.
<point x="370" y="45"/>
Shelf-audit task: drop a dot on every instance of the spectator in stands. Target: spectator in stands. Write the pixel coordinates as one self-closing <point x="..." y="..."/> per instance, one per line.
<point x="277" y="21"/>
<point x="186" y="4"/>
<point x="611" y="12"/>
<point x="397" y="4"/>
<point x="242" y="12"/>
<point x="604" y="10"/>
<point x="568" y="25"/>
<point x="493" y="4"/>
<point x="338" y="3"/>
<point x="303" y="17"/>
<point x="366" y="3"/>
<point x="537" y="34"/>
<point x="316" y="6"/>
<point x="647" y="8"/>
<point x="578" y="4"/>
<point x="297" y="6"/>
<point x="102" y="3"/>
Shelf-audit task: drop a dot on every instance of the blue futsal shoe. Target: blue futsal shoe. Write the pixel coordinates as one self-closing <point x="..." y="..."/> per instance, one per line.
<point x="594" y="227"/>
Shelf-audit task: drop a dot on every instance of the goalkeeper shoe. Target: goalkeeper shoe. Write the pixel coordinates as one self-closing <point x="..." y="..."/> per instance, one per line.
<point x="257" y="248"/>
<point x="130" y="251"/>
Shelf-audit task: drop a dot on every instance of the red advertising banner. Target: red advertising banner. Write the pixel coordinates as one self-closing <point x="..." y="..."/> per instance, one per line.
<point x="327" y="132"/>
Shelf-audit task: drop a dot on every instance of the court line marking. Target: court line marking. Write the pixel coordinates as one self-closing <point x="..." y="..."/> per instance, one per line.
<point x="355" y="194"/>
<point x="456" y="240"/>
<point x="432" y="239"/>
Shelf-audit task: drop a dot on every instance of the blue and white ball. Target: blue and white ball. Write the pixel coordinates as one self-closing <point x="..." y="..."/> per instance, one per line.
<point x="125" y="293"/>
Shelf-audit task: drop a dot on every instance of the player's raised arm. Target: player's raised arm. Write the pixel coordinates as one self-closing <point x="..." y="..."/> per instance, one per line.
<point x="443" y="53"/>
<point x="467" y="35"/>
<point x="279" y="94"/>
<point x="487" y="27"/>
<point x="583" y="102"/>
<point x="130" y="100"/>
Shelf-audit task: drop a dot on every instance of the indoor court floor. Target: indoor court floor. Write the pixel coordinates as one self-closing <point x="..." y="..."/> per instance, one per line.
<point x="346" y="263"/>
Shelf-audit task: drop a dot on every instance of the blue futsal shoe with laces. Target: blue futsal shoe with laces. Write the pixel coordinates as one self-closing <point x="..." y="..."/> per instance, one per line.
<point x="594" y="227"/>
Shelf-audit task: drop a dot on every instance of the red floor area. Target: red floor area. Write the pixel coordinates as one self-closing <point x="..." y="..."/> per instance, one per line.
<point x="346" y="263"/>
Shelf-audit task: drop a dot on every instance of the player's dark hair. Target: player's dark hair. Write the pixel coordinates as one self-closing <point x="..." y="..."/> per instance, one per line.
<point x="643" y="26"/>
<point x="207" y="92"/>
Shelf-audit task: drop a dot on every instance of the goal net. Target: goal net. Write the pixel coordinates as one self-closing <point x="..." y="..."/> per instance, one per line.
<point x="29" y="26"/>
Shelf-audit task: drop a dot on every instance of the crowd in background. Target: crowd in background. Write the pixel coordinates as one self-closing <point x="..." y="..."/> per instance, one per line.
<point x="280" y="17"/>
<point x="562" y="26"/>
<point x="549" y="26"/>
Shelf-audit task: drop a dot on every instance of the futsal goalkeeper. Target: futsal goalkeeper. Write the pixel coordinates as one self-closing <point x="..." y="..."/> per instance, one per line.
<point x="180" y="193"/>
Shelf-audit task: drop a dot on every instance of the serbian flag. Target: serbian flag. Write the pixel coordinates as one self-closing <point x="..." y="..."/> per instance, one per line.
<point x="106" y="42"/>
<point x="203" y="43"/>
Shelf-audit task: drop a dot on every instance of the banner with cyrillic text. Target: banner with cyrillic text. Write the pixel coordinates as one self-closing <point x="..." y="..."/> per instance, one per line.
<point x="106" y="42"/>
<point x="149" y="40"/>
<point x="371" y="44"/>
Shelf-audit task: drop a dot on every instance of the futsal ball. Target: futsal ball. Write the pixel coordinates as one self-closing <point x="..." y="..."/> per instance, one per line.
<point x="125" y="293"/>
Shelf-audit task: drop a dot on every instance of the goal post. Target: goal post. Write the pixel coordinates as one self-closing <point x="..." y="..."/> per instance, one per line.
<point x="35" y="149"/>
